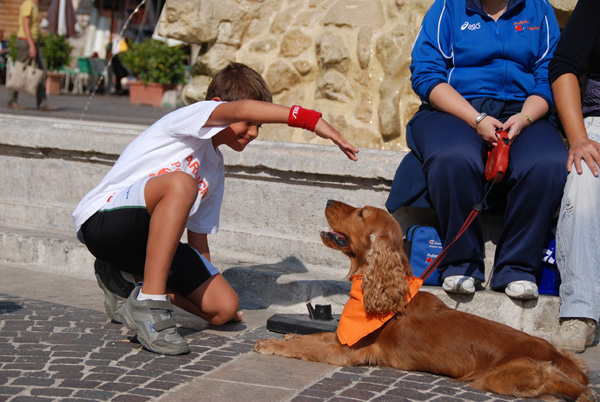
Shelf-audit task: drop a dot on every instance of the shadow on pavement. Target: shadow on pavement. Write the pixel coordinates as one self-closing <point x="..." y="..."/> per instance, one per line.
<point x="9" y="307"/>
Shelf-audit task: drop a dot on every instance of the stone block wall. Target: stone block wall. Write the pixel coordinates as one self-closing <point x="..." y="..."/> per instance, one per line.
<point x="347" y="58"/>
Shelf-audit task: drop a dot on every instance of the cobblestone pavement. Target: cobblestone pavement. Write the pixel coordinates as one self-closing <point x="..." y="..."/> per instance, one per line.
<point x="50" y="351"/>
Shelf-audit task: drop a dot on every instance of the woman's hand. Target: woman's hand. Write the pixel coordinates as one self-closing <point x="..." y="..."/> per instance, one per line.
<point x="586" y="150"/>
<point x="487" y="130"/>
<point x="515" y="124"/>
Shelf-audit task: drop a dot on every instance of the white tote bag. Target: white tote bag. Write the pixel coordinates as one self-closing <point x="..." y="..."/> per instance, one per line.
<point x="24" y="78"/>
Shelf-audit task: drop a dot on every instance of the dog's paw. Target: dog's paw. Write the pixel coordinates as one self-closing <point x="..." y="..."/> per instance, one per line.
<point x="259" y="345"/>
<point x="264" y="346"/>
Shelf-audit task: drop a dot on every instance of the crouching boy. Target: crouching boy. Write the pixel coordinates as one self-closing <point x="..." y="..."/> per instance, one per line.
<point x="170" y="178"/>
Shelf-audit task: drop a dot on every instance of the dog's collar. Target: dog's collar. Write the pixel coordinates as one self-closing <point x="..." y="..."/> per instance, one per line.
<point x="355" y="323"/>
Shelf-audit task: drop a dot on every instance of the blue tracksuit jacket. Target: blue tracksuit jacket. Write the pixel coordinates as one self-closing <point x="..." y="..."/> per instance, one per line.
<point x="462" y="46"/>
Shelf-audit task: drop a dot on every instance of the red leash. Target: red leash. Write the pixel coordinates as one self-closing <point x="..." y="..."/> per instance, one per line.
<point x="494" y="172"/>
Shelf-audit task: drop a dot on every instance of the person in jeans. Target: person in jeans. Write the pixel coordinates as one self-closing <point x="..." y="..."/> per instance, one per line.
<point x="578" y="230"/>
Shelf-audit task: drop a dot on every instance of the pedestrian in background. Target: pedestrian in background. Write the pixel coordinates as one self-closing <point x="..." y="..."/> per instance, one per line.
<point x="28" y="50"/>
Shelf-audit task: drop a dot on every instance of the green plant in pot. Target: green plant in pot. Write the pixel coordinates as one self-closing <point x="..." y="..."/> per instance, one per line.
<point x="157" y="67"/>
<point x="56" y="51"/>
<point x="12" y="46"/>
<point x="155" y="61"/>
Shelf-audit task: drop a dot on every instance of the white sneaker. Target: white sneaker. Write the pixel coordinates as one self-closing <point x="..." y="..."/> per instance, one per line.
<point x="459" y="284"/>
<point x="574" y="334"/>
<point x="524" y="290"/>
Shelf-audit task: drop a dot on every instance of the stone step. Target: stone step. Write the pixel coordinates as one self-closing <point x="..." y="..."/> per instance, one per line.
<point x="279" y="285"/>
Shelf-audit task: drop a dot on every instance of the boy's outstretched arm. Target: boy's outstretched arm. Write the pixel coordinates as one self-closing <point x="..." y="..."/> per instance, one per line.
<point x="325" y="130"/>
<point x="265" y="112"/>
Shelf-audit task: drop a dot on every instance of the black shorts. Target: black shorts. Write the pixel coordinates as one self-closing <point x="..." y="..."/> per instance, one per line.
<point x="120" y="237"/>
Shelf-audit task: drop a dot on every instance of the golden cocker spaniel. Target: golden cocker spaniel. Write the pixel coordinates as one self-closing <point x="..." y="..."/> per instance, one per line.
<point x="423" y="334"/>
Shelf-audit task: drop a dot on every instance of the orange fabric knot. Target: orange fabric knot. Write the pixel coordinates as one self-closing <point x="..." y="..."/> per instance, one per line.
<point x="355" y="323"/>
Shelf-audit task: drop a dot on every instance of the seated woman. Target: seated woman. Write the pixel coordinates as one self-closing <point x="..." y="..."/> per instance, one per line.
<point x="478" y="68"/>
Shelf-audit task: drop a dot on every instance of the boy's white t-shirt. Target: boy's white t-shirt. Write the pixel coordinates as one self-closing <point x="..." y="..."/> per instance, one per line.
<point x="177" y="142"/>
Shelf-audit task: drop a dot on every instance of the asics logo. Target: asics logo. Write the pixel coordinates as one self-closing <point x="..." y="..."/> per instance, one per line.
<point x="470" y="27"/>
<point x="295" y="111"/>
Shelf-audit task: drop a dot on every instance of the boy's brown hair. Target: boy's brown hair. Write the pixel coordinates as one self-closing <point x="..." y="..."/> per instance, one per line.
<point x="237" y="81"/>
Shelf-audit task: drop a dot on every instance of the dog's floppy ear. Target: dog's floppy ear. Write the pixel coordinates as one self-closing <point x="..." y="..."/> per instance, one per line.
<point x="384" y="285"/>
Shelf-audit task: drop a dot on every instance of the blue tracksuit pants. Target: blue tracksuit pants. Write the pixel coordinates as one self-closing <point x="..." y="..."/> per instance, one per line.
<point x="454" y="158"/>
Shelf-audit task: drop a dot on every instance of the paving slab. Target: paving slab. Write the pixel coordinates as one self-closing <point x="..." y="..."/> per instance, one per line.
<point x="57" y="344"/>
<point x="253" y="377"/>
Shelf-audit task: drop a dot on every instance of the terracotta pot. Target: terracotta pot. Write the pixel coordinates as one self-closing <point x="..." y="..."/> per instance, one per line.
<point x="53" y="83"/>
<point x="151" y="94"/>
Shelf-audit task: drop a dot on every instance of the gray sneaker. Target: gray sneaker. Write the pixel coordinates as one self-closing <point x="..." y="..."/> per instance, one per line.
<point x="115" y="288"/>
<point x="524" y="290"/>
<point x="574" y="334"/>
<point x="152" y="321"/>
<point x="459" y="284"/>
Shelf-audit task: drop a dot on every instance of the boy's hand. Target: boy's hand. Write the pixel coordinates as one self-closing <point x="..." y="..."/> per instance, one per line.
<point x="325" y="130"/>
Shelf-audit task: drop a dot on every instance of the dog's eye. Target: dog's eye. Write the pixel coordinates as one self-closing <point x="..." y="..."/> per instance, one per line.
<point x="360" y="213"/>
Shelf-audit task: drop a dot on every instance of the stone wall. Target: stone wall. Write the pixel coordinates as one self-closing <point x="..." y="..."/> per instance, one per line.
<point x="274" y="207"/>
<point x="347" y="58"/>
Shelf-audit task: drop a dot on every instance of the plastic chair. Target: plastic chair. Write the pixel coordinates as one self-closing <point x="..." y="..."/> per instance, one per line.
<point x="98" y="71"/>
<point x="83" y="75"/>
<point x="68" y="75"/>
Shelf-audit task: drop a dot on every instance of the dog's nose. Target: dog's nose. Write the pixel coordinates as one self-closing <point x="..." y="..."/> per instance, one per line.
<point x="330" y="203"/>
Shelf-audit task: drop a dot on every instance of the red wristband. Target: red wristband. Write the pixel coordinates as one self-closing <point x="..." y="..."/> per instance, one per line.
<point x="303" y="118"/>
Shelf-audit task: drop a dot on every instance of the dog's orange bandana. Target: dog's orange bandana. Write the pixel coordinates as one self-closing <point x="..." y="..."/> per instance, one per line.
<point x="355" y="322"/>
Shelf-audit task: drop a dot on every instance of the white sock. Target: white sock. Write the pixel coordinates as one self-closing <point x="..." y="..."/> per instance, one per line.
<point x="142" y="296"/>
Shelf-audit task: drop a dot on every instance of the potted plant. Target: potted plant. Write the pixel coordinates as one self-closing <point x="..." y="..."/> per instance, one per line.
<point x="157" y="68"/>
<point x="12" y="47"/>
<point x="56" y="51"/>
